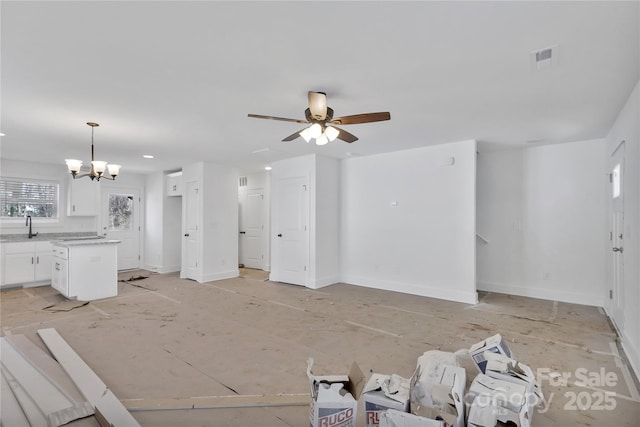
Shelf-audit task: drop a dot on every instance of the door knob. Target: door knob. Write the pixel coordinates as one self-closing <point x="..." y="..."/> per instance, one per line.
<point x="617" y="249"/>
<point x="243" y="232"/>
<point x="186" y="235"/>
<point x="279" y="235"/>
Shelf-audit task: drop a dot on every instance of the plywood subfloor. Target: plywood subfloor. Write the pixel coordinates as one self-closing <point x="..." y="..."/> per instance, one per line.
<point x="163" y="337"/>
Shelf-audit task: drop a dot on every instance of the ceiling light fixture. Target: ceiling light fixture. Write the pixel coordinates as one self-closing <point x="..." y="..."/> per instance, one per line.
<point x="321" y="134"/>
<point x="147" y="156"/>
<point x="98" y="167"/>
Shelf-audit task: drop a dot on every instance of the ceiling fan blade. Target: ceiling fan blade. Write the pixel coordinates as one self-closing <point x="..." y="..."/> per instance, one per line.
<point x="346" y="136"/>
<point x="318" y="105"/>
<point x="284" y="119"/>
<point x="293" y="136"/>
<point x="362" y="118"/>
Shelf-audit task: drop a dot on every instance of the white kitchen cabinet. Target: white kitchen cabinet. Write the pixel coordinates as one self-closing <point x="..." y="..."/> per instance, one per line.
<point x="25" y="262"/>
<point x="86" y="269"/>
<point x="174" y="184"/>
<point x="83" y="197"/>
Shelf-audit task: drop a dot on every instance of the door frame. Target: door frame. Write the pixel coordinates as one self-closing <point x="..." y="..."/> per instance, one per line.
<point x="244" y="194"/>
<point x="277" y="273"/>
<point x="615" y="292"/>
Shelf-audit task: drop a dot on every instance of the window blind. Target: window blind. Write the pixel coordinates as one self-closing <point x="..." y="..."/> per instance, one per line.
<point x="21" y="197"/>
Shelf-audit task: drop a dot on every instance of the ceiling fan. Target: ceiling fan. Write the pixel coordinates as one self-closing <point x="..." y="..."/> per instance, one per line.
<point x="323" y="125"/>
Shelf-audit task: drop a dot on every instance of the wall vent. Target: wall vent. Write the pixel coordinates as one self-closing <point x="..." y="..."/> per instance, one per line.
<point x="544" y="58"/>
<point x="242" y="182"/>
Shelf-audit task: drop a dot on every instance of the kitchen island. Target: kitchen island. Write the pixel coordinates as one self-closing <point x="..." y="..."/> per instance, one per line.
<point x="85" y="269"/>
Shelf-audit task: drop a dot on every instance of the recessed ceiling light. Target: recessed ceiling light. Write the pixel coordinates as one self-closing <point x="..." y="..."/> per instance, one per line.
<point x="1" y="134"/>
<point x="147" y="156"/>
<point x="268" y="168"/>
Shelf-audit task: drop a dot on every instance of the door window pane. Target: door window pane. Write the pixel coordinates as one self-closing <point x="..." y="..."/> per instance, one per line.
<point x="616" y="180"/>
<point x="120" y="212"/>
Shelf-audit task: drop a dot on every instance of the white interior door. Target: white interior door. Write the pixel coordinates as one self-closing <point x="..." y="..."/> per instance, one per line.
<point x="291" y="235"/>
<point x="121" y="221"/>
<point x="252" y="228"/>
<point x="616" y="293"/>
<point x="191" y="231"/>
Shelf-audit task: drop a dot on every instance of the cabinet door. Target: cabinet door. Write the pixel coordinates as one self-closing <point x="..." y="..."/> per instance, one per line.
<point x="44" y="261"/>
<point x="84" y="197"/>
<point x="18" y="267"/>
<point x="174" y="185"/>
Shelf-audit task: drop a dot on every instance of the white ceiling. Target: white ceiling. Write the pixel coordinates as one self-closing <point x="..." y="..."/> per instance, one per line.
<point x="177" y="79"/>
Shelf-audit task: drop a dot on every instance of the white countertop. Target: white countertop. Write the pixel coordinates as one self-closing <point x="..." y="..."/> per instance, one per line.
<point x="84" y="242"/>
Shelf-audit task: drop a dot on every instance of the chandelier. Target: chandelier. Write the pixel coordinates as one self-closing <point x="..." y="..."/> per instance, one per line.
<point x="98" y="167"/>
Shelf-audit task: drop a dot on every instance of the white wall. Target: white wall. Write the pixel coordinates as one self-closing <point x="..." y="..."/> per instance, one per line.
<point x="426" y="244"/>
<point x="325" y="217"/>
<point x="219" y="219"/>
<point x="627" y="128"/>
<point x="543" y="210"/>
<point x="154" y="218"/>
<point x="59" y="173"/>
<point x="172" y="234"/>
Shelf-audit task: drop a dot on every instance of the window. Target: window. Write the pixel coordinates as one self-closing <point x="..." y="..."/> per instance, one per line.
<point x="21" y="197"/>
<point x="120" y="212"/>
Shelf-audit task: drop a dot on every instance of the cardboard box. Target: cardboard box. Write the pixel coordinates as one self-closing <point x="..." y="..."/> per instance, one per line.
<point x="437" y="391"/>
<point x="437" y="356"/>
<point x="504" y="368"/>
<point x="502" y="400"/>
<point x="494" y="344"/>
<point x="384" y="392"/>
<point x="334" y="398"/>
<point x="393" y="418"/>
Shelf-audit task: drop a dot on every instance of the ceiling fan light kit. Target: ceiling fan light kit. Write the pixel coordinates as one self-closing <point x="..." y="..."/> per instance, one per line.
<point x="98" y="167"/>
<point x="323" y="128"/>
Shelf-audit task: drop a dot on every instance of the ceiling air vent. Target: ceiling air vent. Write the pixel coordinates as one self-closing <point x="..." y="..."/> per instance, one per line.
<point x="242" y="182"/>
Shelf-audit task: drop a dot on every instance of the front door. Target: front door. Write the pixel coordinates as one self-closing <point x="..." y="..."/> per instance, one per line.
<point x="121" y="221"/>
<point x="251" y="228"/>
<point x="616" y="293"/>
<point x="291" y="237"/>
<point x="191" y="232"/>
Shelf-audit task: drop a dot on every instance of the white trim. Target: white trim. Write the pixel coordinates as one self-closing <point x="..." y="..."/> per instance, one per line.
<point x="414" y="289"/>
<point x="218" y="276"/>
<point x="633" y="356"/>
<point x="322" y="282"/>
<point x="536" y="291"/>
<point x="161" y="269"/>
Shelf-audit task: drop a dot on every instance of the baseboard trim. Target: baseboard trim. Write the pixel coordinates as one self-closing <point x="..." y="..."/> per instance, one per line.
<point x="322" y="282"/>
<point x="543" y="293"/>
<point x="230" y="274"/>
<point x="413" y="289"/>
<point x="633" y="356"/>
<point x="162" y="269"/>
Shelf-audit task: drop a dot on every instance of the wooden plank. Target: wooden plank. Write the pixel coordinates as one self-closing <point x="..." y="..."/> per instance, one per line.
<point x="46" y="365"/>
<point x="218" y="402"/>
<point x="30" y="409"/>
<point x="12" y="414"/>
<point x="49" y="398"/>
<point x="91" y="386"/>
<point x="102" y="420"/>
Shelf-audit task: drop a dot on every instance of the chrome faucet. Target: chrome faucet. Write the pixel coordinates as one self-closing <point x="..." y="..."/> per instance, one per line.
<point x="31" y="234"/>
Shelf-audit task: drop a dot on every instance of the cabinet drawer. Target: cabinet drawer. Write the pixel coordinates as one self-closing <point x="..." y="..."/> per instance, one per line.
<point x="62" y="253"/>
